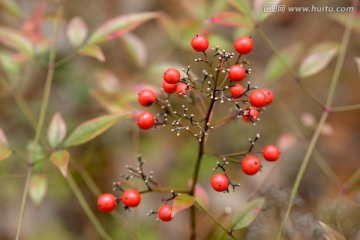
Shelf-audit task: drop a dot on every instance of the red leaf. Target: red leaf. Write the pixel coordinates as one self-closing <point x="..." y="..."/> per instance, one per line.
<point x="61" y="160"/>
<point x="32" y="26"/>
<point x="232" y="19"/>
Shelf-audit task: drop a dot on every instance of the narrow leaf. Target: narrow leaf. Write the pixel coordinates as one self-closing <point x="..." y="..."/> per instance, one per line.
<point x="77" y="31"/>
<point x="318" y="58"/>
<point x="231" y="19"/>
<point x="38" y="188"/>
<point x="275" y="68"/>
<point x="56" y="131"/>
<point x="260" y="11"/>
<point x="107" y="81"/>
<point x="118" y="26"/>
<point x="343" y="18"/>
<point x="181" y="203"/>
<point x="8" y="64"/>
<point x="201" y="196"/>
<point x="135" y="49"/>
<point x="91" y="129"/>
<point x="5" y="151"/>
<point x="248" y="214"/>
<point x="93" y="51"/>
<point x="112" y="102"/>
<point x="15" y="40"/>
<point x="357" y="61"/>
<point x="61" y="160"/>
<point x="11" y="7"/>
<point x="32" y="27"/>
<point x="330" y="233"/>
<point x="241" y="5"/>
<point x="169" y="27"/>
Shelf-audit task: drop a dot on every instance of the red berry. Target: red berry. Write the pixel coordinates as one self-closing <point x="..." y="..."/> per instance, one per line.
<point x="131" y="198"/>
<point x="236" y="73"/>
<point x="165" y="213"/>
<point x="146" y="120"/>
<point x="169" y="88"/>
<point x="172" y="76"/>
<point x="219" y="182"/>
<point x="182" y="89"/>
<point x="269" y="95"/>
<point x="243" y="45"/>
<point x="200" y="43"/>
<point x="271" y="153"/>
<point x="251" y="114"/>
<point x="251" y="165"/>
<point x="237" y="90"/>
<point x="146" y="97"/>
<point x="258" y="99"/>
<point x="106" y="202"/>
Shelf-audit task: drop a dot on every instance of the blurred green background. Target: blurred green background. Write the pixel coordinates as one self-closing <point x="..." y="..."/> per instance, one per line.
<point x="289" y="123"/>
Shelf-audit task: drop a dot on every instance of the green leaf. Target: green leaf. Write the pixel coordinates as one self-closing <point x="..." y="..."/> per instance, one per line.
<point x="36" y="153"/>
<point x="118" y="26"/>
<point x="107" y="81"/>
<point x="77" y="31"/>
<point x="343" y="18"/>
<point x="61" y="160"/>
<point x="330" y="233"/>
<point x="357" y="61"/>
<point x="38" y="188"/>
<point x="5" y="151"/>
<point x="275" y="67"/>
<point x="318" y="58"/>
<point x="169" y="27"/>
<point x="93" y="51"/>
<point x="241" y="5"/>
<point x="182" y="202"/>
<point x="11" y="7"/>
<point x="91" y="129"/>
<point x="231" y="19"/>
<point x="56" y="131"/>
<point x="8" y="64"/>
<point x="259" y="13"/>
<point x="135" y="49"/>
<point x="16" y="40"/>
<point x="248" y="214"/>
<point x="217" y="40"/>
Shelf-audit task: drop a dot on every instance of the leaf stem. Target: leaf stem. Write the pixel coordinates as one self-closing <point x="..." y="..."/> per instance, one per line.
<point x="24" y="201"/>
<point x="305" y="89"/>
<point x="346" y="108"/>
<point x="50" y="75"/>
<point x="302" y="171"/>
<point x="80" y="197"/>
<point x="214" y="219"/>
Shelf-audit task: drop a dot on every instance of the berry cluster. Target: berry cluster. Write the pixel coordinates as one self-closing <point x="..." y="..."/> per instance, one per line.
<point x="219" y="84"/>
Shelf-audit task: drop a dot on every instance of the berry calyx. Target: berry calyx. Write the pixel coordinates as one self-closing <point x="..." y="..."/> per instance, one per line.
<point x="172" y="76"/>
<point x="200" y="43"/>
<point x="106" y="202"/>
<point x="146" y="97"/>
<point x="269" y="95"/>
<point x="165" y="213"/>
<point x="243" y="45"/>
<point x="236" y="73"/>
<point x="258" y="99"/>
<point x="169" y="88"/>
<point x="146" y="120"/>
<point x="251" y="115"/>
<point x="251" y="165"/>
<point x="271" y="153"/>
<point x="131" y="198"/>
<point x="219" y="182"/>
<point x="182" y="90"/>
<point x="237" y="90"/>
